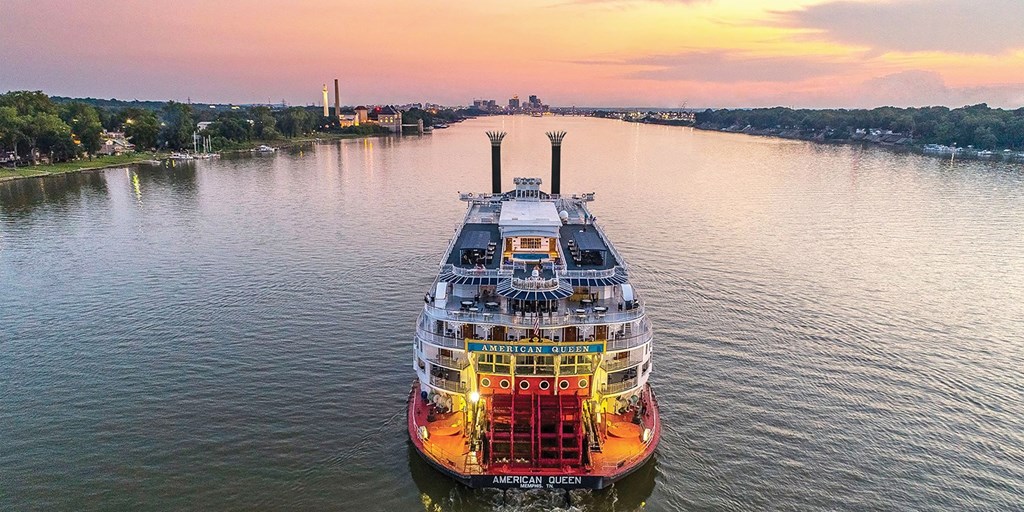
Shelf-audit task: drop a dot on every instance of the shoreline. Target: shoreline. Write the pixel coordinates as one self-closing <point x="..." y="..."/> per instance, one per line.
<point x="8" y="174"/>
<point x="917" y="149"/>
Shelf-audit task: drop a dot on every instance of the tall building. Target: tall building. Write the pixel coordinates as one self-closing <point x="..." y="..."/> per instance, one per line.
<point x="534" y="100"/>
<point x="513" y="104"/>
<point x="326" y="112"/>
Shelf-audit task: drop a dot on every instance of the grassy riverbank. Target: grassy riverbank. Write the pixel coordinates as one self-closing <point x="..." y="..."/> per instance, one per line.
<point x="104" y="162"/>
<point x="84" y="164"/>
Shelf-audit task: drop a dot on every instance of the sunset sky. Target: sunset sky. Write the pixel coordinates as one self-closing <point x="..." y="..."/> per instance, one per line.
<point x="702" y="53"/>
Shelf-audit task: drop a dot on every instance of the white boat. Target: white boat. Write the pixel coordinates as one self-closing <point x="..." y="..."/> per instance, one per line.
<point x="263" y="148"/>
<point x="532" y="352"/>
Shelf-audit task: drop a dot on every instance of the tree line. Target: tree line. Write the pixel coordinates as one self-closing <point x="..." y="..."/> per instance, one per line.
<point x="33" y="125"/>
<point x="975" y="125"/>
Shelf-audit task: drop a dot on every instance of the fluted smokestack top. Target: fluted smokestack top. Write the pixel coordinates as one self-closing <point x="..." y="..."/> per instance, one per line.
<point x="496" y="137"/>
<point x="556" y="138"/>
<point x="556" y="161"/>
<point x="496" y="160"/>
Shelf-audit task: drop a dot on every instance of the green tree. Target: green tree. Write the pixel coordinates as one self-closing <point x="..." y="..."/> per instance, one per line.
<point x="28" y="103"/>
<point x="263" y="123"/>
<point x="177" y="127"/>
<point x="140" y="126"/>
<point x="12" y="131"/>
<point x="984" y="138"/>
<point x="295" y="121"/>
<point x="85" y="124"/>
<point x="51" y="136"/>
<point x="231" y="128"/>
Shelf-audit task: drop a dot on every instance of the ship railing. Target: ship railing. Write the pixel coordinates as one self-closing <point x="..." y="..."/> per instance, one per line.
<point x="466" y="461"/>
<point x="587" y="274"/>
<point x="614" y="343"/>
<point x="475" y="272"/>
<point x="651" y="406"/>
<point x="556" y="319"/>
<point x="611" y="247"/>
<point x="458" y="231"/>
<point x="535" y="284"/>
<point x="618" y="387"/>
<point x="439" y="340"/>
<point x="623" y="342"/>
<point x="454" y="363"/>
<point x="612" y="365"/>
<point x="448" y="385"/>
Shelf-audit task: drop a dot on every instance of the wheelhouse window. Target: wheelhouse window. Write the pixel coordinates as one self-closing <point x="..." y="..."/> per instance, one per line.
<point x="530" y="243"/>
<point x="494" y="363"/>
<point x="578" y="364"/>
<point x="535" y="365"/>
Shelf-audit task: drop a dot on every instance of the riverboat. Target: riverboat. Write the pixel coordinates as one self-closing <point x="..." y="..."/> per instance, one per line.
<point x="533" y="351"/>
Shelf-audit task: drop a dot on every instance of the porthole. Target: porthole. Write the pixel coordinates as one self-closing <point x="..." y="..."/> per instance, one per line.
<point x="583" y="383"/>
<point x="504" y="384"/>
<point x="485" y="382"/>
<point x="544" y="384"/>
<point x="524" y="384"/>
<point x="563" y="384"/>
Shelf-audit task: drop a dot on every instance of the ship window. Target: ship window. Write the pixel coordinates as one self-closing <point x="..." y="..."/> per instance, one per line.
<point x="504" y="384"/>
<point x="563" y="385"/>
<point x="530" y="243"/>
<point x="485" y="382"/>
<point x="575" y="364"/>
<point x="421" y="364"/>
<point x="524" y="384"/>
<point x="494" y="363"/>
<point x="583" y="383"/>
<point x="535" y="365"/>
<point x="647" y="366"/>
<point x="544" y="384"/>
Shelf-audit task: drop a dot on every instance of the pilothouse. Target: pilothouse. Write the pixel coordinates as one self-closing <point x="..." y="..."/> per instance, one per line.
<point x="533" y="351"/>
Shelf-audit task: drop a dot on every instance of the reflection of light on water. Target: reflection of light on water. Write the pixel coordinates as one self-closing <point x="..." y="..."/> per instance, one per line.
<point x="428" y="504"/>
<point x="368" y="156"/>
<point x="137" y="187"/>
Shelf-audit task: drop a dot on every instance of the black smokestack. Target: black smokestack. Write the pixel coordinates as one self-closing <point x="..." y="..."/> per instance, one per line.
<point x="496" y="160"/>
<point x="556" y="161"/>
<point x="337" y="100"/>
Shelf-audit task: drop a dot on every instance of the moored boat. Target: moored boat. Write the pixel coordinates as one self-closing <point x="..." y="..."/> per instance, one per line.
<point x="533" y="351"/>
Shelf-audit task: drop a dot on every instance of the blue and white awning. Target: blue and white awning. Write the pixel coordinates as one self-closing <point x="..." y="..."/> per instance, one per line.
<point x="619" y="277"/>
<point x="506" y="290"/>
<point x="451" y="277"/>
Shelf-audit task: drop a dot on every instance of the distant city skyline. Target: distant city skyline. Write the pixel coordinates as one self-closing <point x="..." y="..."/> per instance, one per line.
<point x="657" y="53"/>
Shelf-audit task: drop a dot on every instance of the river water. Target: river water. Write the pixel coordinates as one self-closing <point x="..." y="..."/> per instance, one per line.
<point x="837" y="328"/>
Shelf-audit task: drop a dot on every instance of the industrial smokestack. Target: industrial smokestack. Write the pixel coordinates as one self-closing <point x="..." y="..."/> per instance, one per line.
<point x="337" y="100"/>
<point x="556" y="161"/>
<point x="496" y="160"/>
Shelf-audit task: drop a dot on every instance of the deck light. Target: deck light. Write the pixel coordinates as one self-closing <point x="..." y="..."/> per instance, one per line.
<point x="474" y="397"/>
<point x="646" y="436"/>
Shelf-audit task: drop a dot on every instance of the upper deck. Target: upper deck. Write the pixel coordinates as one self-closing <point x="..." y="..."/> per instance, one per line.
<point x="494" y="224"/>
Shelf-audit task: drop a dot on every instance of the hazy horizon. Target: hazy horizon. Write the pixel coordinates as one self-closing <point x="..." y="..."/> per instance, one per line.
<point x="598" y="53"/>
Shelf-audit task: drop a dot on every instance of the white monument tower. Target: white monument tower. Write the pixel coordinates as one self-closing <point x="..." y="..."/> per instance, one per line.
<point x="326" y="112"/>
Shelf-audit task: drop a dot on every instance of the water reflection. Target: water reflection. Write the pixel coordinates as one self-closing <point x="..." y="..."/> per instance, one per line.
<point x="837" y="328"/>
<point x="23" y="195"/>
